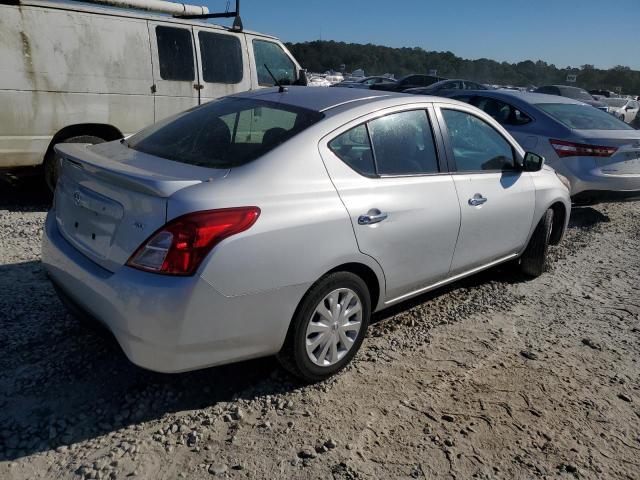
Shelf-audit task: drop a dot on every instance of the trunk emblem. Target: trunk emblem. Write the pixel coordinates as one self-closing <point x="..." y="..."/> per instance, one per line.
<point x="77" y="199"/>
<point x="138" y="225"/>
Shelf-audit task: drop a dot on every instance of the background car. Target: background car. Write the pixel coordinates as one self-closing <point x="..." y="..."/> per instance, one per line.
<point x="445" y="86"/>
<point x="365" y="82"/>
<point x="406" y="82"/>
<point x="599" y="154"/>
<point x="623" y="108"/>
<point x="572" y="92"/>
<point x="275" y="222"/>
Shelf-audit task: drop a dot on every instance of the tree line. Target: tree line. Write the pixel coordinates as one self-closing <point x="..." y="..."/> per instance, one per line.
<point x="323" y="55"/>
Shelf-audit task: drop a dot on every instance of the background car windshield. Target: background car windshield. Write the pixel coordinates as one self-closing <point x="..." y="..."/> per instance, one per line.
<point x="615" y="102"/>
<point x="224" y="133"/>
<point x="582" y="117"/>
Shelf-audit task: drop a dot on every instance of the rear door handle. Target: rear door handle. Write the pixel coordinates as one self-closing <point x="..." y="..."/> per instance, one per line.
<point x="477" y="199"/>
<point x="372" y="216"/>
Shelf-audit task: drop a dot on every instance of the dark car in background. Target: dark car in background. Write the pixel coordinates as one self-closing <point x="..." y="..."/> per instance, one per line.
<point x="574" y="93"/>
<point x="407" y="82"/>
<point x="445" y="87"/>
<point x="365" y="82"/>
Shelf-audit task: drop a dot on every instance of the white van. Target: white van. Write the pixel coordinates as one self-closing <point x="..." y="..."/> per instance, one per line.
<point x="76" y="73"/>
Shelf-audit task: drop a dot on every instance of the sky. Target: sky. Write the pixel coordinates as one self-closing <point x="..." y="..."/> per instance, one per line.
<point x="562" y="32"/>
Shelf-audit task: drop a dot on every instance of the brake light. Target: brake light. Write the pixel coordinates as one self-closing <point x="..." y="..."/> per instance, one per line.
<point x="179" y="247"/>
<point x="570" y="149"/>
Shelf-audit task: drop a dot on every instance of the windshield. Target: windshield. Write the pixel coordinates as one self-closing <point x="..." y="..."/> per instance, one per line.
<point x="582" y="117"/>
<point x="224" y="133"/>
<point x="576" y="94"/>
<point x="615" y="102"/>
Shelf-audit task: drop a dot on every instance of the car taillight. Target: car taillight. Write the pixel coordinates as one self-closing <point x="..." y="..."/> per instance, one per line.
<point x="570" y="149"/>
<point x="179" y="247"/>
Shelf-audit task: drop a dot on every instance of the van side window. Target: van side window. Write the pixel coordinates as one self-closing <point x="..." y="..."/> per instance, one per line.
<point x="221" y="57"/>
<point x="272" y="55"/>
<point x="175" y="53"/>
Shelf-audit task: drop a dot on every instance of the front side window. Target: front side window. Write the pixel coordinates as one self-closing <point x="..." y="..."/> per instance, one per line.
<point x="403" y="144"/>
<point x="274" y="57"/>
<point x="476" y="145"/>
<point x="582" y="117"/>
<point x="221" y="57"/>
<point x="503" y="113"/>
<point x="224" y="133"/>
<point x="175" y="53"/>
<point x="354" y="149"/>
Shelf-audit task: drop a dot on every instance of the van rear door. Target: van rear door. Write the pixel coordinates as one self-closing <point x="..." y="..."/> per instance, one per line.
<point x="175" y="75"/>
<point x="223" y="66"/>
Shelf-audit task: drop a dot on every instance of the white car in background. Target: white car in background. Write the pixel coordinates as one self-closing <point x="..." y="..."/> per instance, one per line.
<point x="624" y="109"/>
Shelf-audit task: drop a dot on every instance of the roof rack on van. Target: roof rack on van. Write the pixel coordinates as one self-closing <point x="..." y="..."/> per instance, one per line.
<point x="237" y="22"/>
<point x="160" y="6"/>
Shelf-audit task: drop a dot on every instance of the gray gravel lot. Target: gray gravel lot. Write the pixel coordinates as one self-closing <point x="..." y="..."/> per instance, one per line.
<point x="492" y="377"/>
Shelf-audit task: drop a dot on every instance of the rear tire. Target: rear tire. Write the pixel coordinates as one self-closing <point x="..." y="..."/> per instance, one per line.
<point x="51" y="159"/>
<point x="534" y="260"/>
<point x="344" y="295"/>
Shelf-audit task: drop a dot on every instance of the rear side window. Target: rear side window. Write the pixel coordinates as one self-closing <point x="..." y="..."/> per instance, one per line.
<point x="221" y="58"/>
<point x="224" y="133"/>
<point x="582" y="117"/>
<point x="272" y="55"/>
<point x="396" y="144"/>
<point x="477" y="146"/>
<point x="502" y="112"/>
<point x="403" y="144"/>
<point x="175" y="53"/>
<point x="354" y="149"/>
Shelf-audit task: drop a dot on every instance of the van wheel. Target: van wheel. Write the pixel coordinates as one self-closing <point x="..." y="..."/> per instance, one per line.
<point x="328" y="327"/>
<point x="51" y="158"/>
<point x="534" y="261"/>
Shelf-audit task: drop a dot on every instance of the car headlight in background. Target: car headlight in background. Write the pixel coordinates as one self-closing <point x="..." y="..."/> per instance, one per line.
<point x="565" y="181"/>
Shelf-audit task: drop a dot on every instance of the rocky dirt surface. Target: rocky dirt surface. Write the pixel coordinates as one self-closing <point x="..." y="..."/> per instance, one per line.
<point x="493" y="377"/>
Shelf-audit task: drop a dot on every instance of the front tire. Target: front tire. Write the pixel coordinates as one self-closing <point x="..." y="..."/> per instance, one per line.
<point x="534" y="260"/>
<point x="328" y="327"/>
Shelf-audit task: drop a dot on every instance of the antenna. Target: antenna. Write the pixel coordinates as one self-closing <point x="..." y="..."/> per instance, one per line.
<point x="281" y="88"/>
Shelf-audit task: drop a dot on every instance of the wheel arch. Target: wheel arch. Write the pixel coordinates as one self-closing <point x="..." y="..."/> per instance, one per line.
<point x="102" y="130"/>
<point x="559" y="222"/>
<point x="367" y="274"/>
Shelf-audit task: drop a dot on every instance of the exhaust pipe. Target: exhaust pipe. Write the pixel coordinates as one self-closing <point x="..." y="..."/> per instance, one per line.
<point x="161" y="6"/>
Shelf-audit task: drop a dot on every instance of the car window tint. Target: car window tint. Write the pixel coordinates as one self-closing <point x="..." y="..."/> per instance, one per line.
<point x="477" y="146"/>
<point x="582" y="117"/>
<point x="354" y="149"/>
<point x="502" y="112"/>
<point x="272" y="55"/>
<point x="175" y="53"/>
<point x="224" y="133"/>
<point x="221" y="57"/>
<point x="403" y="144"/>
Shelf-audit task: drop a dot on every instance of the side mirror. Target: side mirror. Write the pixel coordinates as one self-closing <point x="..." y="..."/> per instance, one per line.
<point x="629" y="107"/>
<point x="303" y="80"/>
<point x="532" y="162"/>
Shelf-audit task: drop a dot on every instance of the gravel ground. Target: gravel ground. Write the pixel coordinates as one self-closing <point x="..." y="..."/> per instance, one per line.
<point x="492" y="377"/>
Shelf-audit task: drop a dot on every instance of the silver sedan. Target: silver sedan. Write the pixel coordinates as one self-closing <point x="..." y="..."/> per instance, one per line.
<point x="276" y="222"/>
<point x="596" y="152"/>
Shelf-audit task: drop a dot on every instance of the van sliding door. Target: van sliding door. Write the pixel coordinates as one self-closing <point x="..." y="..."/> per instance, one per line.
<point x="176" y="86"/>
<point x="223" y="67"/>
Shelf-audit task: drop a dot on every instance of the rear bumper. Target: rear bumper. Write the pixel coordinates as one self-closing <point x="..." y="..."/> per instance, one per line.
<point x="592" y="197"/>
<point x="169" y="324"/>
<point x="586" y="176"/>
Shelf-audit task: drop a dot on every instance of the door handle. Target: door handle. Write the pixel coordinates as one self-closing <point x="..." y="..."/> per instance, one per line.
<point x="198" y="86"/>
<point x="372" y="216"/>
<point x="477" y="199"/>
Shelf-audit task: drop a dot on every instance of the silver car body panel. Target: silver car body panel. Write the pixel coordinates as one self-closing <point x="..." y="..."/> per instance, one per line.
<point x="240" y="302"/>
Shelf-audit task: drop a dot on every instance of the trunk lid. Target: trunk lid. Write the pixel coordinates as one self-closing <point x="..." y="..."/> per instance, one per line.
<point x="626" y="159"/>
<point x="110" y="198"/>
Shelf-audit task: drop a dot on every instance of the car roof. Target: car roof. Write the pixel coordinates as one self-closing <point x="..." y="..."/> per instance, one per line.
<point x="526" y="97"/>
<point x="317" y="98"/>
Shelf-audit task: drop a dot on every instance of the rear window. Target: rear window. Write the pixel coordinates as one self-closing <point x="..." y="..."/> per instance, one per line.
<point x="577" y="94"/>
<point x="582" y="117"/>
<point x="224" y="133"/>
